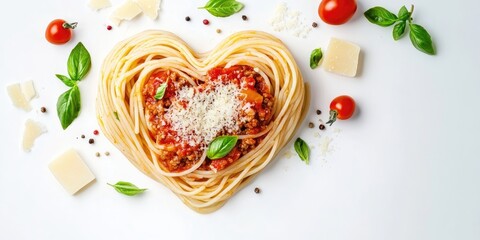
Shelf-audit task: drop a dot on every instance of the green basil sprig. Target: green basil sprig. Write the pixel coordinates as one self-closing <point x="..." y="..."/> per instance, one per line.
<point x="315" y="57"/>
<point x="380" y="16"/>
<point x="399" y="30"/>
<point x="127" y="188"/>
<point x="302" y="149"/>
<point x="69" y="104"/>
<point x="404" y="14"/>
<point x="115" y="113"/>
<point x="222" y="8"/>
<point x="221" y="146"/>
<point x="420" y="37"/>
<point x="160" y="91"/>
<point x="78" y="63"/>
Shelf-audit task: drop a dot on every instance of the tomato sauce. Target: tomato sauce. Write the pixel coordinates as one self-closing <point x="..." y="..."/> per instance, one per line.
<point x="253" y="118"/>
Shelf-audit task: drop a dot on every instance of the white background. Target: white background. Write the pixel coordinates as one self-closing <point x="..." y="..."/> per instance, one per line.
<point x="405" y="167"/>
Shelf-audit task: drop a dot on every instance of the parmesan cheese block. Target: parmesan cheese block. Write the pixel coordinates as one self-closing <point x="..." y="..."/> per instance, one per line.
<point x="127" y="11"/>
<point x="149" y="7"/>
<point x="17" y="97"/>
<point x="32" y="131"/>
<point x="28" y="90"/>
<point x="96" y="5"/>
<point x="71" y="171"/>
<point x="342" y="57"/>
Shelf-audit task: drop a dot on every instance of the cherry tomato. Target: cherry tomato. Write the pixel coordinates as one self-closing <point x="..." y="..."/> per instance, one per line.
<point x="59" y="31"/>
<point x="341" y="107"/>
<point x="336" y="12"/>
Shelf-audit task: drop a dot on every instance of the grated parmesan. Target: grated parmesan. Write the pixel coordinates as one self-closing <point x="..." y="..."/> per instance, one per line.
<point x="290" y="21"/>
<point x="207" y="113"/>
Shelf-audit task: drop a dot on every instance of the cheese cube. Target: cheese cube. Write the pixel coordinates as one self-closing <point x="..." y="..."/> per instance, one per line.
<point x="31" y="132"/>
<point x="17" y="97"/>
<point x="342" y="57"/>
<point x="71" y="171"/>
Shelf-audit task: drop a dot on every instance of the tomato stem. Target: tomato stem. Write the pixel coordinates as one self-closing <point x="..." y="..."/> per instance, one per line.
<point x="69" y="25"/>
<point x="333" y="117"/>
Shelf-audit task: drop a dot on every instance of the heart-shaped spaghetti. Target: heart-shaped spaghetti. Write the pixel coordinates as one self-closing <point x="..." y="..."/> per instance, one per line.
<point x="162" y="104"/>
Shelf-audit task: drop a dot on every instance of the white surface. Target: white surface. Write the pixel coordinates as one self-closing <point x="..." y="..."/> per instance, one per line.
<point x="406" y="167"/>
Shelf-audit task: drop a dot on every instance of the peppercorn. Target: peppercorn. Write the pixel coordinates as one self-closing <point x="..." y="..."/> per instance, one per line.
<point x="219" y="30"/>
<point x="321" y="126"/>
<point x="97" y="154"/>
<point x="311" y="125"/>
<point x="314" y="24"/>
<point x="206" y="22"/>
<point x="83" y="136"/>
<point x="43" y="109"/>
<point x="244" y="17"/>
<point x="95" y="132"/>
<point x="91" y="141"/>
<point x="319" y="112"/>
<point x="257" y="190"/>
<point x="107" y="153"/>
<point x="109" y="27"/>
<point x="187" y="18"/>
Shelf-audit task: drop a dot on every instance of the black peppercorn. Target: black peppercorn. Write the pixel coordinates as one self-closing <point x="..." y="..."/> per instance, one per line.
<point x="244" y="17"/>
<point x="319" y="112"/>
<point x="257" y="190"/>
<point x="91" y="141"/>
<point x="187" y="18"/>
<point x="314" y="24"/>
<point x="321" y="126"/>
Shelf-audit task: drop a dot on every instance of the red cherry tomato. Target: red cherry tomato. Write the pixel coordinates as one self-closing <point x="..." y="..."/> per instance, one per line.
<point x="341" y="107"/>
<point x="59" y="31"/>
<point x="336" y="12"/>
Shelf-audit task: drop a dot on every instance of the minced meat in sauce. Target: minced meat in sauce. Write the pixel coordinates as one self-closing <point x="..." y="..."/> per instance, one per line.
<point x="253" y="118"/>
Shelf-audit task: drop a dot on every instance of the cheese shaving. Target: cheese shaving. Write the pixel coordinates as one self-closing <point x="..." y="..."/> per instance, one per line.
<point x="17" y="97"/>
<point x="96" y="5"/>
<point x="32" y="131"/>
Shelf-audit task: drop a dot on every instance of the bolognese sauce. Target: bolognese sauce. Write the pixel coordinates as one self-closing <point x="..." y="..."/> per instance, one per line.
<point x="229" y="101"/>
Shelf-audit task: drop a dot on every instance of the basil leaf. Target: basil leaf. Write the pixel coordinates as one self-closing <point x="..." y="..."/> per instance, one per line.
<point x="380" y="16"/>
<point x="315" y="57"/>
<point x="115" y="113"/>
<point x="160" y="91"/>
<point x="302" y="150"/>
<point x="221" y="146"/>
<point x="68" y="106"/>
<point x="127" y="188"/>
<point x="403" y="14"/>
<point x="222" y="8"/>
<point x="399" y="30"/>
<point x="78" y="62"/>
<point x="421" y="39"/>
<point x="67" y="81"/>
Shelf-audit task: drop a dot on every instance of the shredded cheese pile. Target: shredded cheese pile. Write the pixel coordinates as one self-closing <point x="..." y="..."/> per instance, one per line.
<point x="289" y="20"/>
<point x="206" y="113"/>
